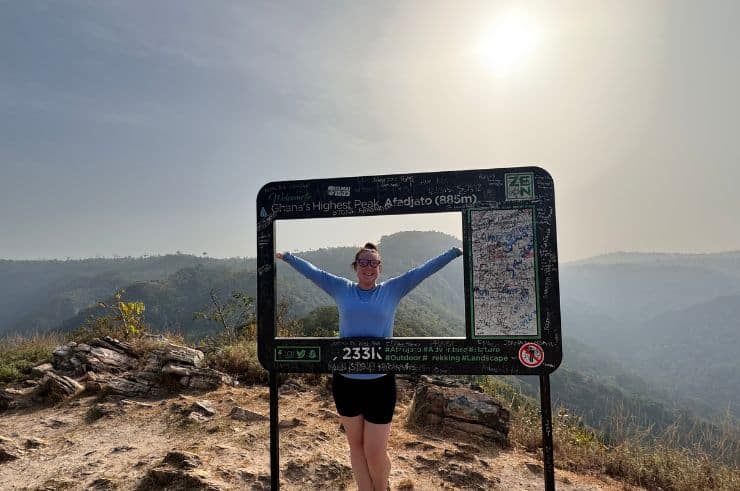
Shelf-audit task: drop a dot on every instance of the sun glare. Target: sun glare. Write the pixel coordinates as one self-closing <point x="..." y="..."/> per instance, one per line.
<point x="507" y="43"/>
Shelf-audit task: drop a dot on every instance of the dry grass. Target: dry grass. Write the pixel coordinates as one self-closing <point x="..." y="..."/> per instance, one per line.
<point x="19" y="354"/>
<point x="636" y="458"/>
<point x="237" y="356"/>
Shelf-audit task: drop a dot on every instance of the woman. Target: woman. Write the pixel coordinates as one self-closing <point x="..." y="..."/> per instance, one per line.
<point x="365" y="402"/>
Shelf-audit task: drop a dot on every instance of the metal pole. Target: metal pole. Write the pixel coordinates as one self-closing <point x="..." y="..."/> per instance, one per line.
<point x="547" y="457"/>
<point x="274" y="433"/>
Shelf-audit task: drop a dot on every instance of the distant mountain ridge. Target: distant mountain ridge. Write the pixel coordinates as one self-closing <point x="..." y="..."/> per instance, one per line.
<point x="644" y="327"/>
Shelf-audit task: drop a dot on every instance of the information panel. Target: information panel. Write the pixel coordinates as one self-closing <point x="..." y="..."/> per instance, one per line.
<point x="510" y="266"/>
<point x="503" y="273"/>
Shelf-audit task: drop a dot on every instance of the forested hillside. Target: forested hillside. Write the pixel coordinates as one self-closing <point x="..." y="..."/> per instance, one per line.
<point x="41" y="295"/>
<point x="435" y="308"/>
<point x="650" y="335"/>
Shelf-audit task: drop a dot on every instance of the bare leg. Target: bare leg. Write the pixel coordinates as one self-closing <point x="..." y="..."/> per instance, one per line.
<point x="354" y="429"/>
<point x="375" y="442"/>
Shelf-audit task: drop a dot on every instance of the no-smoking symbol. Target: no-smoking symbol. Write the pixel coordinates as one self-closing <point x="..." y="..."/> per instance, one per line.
<point x="531" y="355"/>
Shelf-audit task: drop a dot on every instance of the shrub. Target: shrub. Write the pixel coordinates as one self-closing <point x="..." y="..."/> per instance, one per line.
<point x="123" y="320"/>
<point x="238" y="357"/>
<point x="19" y="354"/>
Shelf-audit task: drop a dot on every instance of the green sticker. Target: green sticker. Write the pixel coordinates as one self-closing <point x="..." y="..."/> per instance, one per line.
<point x="298" y="353"/>
<point x="519" y="186"/>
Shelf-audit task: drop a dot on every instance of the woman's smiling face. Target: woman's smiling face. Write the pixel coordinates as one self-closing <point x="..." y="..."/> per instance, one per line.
<point x="368" y="267"/>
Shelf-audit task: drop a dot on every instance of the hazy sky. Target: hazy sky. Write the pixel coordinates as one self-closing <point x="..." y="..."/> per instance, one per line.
<point x="148" y="127"/>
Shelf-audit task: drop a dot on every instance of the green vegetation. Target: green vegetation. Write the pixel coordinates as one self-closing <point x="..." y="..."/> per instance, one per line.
<point x="120" y="320"/>
<point x="19" y="354"/>
<point x="634" y="455"/>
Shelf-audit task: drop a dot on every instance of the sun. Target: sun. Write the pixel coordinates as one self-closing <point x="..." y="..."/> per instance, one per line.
<point x="507" y="43"/>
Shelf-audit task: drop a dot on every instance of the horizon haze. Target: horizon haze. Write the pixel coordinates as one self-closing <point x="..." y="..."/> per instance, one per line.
<point x="137" y="128"/>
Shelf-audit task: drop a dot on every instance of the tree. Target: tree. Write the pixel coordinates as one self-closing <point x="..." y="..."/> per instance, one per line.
<point x="235" y="314"/>
<point x="122" y="319"/>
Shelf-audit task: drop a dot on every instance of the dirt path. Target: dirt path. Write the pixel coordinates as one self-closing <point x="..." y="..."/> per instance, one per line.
<point x="126" y="446"/>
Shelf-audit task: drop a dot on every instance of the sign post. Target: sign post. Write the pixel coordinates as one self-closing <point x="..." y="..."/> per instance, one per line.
<point x="512" y="295"/>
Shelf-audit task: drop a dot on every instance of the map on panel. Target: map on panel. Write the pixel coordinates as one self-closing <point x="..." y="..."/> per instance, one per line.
<point x="503" y="273"/>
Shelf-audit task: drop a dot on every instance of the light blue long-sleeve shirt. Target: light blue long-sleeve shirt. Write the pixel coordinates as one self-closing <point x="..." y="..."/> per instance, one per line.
<point x="368" y="313"/>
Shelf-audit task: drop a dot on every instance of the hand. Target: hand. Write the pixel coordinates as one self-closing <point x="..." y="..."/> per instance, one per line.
<point x="279" y="255"/>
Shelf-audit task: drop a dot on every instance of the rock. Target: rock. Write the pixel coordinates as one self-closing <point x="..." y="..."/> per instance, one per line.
<point x="204" y="408"/>
<point x="115" y="345"/>
<point x="103" y="359"/>
<point x="127" y="387"/>
<point x="205" y="379"/>
<point x="56" y="388"/>
<point x="16" y="398"/>
<point x="182" y="355"/>
<point x="242" y="414"/>
<point x="460" y="409"/>
<point x="40" y="370"/>
<point x="182" y="460"/>
<point x="534" y="468"/>
<point x="152" y="365"/>
<point x="476" y="429"/>
<point x="175" y="369"/>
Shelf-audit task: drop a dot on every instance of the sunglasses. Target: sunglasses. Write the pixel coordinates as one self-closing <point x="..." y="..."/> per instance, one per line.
<point x="368" y="262"/>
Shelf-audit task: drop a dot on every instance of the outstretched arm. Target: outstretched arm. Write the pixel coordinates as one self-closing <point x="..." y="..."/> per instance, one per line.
<point x="326" y="281"/>
<point x="410" y="279"/>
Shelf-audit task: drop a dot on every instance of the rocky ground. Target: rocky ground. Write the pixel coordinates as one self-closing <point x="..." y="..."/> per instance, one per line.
<point x="219" y="439"/>
<point x="108" y="415"/>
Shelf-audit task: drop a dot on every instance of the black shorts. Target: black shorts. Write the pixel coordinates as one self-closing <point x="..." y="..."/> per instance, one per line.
<point x="375" y="399"/>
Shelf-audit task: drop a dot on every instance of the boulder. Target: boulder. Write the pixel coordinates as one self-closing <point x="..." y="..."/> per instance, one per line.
<point x="205" y="379"/>
<point x="460" y="409"/>
<point x="102" y="359"/>
<point x="40" y="370"/>
<point x="182" y="355"/>
<point x="56" y="388"/>
<point x="16" y="398"/>
<point x="115" y="345"/>
<point x="130" y="386"/>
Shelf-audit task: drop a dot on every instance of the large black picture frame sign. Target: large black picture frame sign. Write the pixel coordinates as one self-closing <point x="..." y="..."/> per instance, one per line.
<point x="510" y="264"/>
<point x="512" y="294"/>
